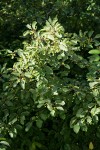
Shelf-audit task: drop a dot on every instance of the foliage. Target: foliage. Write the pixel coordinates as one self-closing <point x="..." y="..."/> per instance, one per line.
<point x="50" y="76"/>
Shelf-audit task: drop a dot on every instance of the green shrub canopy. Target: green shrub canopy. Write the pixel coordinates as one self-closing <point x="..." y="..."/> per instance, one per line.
<point x="49" y="75"/>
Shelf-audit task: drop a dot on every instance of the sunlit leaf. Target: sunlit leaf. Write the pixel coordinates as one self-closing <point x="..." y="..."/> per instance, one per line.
<point x="22" y="83"/>
<point x="4" y="143"/>
<point x="76" y="128"/>
<point x="91" y="146"/>
<point x="95" y="51"/>
<point x="29" y="26"/>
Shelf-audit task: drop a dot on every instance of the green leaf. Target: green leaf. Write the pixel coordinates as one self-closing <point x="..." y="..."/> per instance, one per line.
<point x="90" y="105"/>
<point x="63" y="47"/>
<point x="13" y="121"/>
<point x="28" y="75"/>
<point x="58" y="35"/>
<point x="94" y="51"/>
<point x="51" y="37"/>
<point x="4" y="143"/>
<point x="16" y="83"/>
<point x="13" y="133"/>
<point x="48" y="70"/>
<point x="89" y="120"/>
<point x="95" y="119"/>
<point x="49" y="106"/>
<point x="90" y="33"/>
<point x="2" y="139"/>
<point x="97" y="36"/>
<point x="72" y="122"/>
<point x="20" y="52"/>
<point x="93" y="111"/>
<point x="62" y="115"/>
<point x="22" y="119"/>
<point x="26" y="33"/>
<point x="84" y="128"/>
<point x="33" y="146"/>
<point x="97" y="110"/>
<point x="60" y="108"/>
<point x="95" y="92"/>
<point x="52" y="112"/>
<point x="28" y="126"/>
<point x="22" y="83"/>
<point x="16" y="75"/>
<point x="40" y="105"/>
<point x="96" y="58"/>
<point x="9" y="103"/>
<point x="80" y="113"/>
<point x="29" y="26"/>
<point x="34" y="25"/>
<point x="92" y="84"/>
<point x="2" y="148"/>
<point x="61" y="56"/>
<point x="43" y="116"/>
<point x="76" y="128"/>
<point x="97" y="43"/>
<point x="39" y="123"/>
<point x="62" y="103"/>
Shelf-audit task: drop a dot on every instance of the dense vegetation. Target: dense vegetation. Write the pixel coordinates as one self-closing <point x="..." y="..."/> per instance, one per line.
<point x="49" y="74"/>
